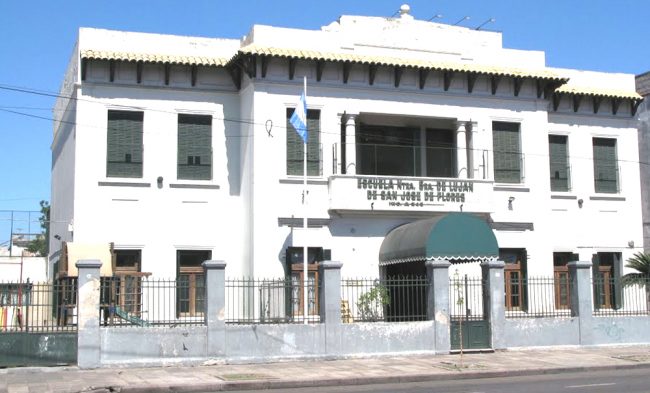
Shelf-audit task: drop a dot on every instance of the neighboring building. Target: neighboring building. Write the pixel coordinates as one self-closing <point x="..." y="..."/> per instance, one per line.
<point x="178" y="149"/>
<point x="643" y="88"/>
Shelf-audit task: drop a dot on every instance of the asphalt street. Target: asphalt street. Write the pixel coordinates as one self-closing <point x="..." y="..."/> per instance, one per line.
<point x="628" y="381"/>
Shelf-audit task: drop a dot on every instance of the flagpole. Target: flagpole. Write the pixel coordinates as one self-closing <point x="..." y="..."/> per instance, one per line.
<point x="305" y="273"/>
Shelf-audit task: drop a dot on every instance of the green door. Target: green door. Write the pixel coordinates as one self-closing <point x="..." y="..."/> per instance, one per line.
<point x="469" y="323"/>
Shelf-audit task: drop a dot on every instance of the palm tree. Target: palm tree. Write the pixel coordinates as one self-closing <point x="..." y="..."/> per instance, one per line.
<point x="641" y="263"/>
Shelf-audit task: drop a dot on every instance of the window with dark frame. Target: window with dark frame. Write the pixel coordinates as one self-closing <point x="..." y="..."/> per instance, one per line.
<point x="124" y="156"/>
<point x="507" y="155"/>
<point x="295" y="146"/>
<point x="559" y="162"/>
<point x="561" y="279"/>
<point x="605" y="166"/>
<point x="190" y="282"/>
<point x="606" y="276"/>
<point x="194" y="147"/>
<point x="515" y="274"/>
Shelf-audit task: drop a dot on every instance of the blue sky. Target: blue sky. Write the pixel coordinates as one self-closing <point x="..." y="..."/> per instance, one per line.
<point x="38" y="36"/>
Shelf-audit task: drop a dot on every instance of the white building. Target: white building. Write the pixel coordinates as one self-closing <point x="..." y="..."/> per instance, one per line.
<point x="177" y="149"/>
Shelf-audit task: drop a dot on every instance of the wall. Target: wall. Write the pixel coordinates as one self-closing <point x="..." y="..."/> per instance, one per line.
<point x="541" y="332"/>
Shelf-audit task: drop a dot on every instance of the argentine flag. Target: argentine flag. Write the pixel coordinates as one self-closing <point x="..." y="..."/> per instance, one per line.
<point x="299" y="118"/>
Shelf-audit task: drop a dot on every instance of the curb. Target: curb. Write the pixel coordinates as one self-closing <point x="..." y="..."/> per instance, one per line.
<point x="325" y="382"/>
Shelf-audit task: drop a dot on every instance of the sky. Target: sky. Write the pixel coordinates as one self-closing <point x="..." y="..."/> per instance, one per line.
<point x="37" y="37"/>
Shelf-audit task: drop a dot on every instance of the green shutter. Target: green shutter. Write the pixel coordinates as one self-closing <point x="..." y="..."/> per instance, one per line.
<point x="558" y="161"/>
<point x="194" y="147"/>
<point x="124" y="144"/>
<point x="507" y="152"/>
<point x="295" y="146"/>
<point x="605" y="165"/>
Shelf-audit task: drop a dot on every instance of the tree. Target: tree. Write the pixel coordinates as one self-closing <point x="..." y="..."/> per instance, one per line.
<point x="641" y="263"/>
<point x="41" y="245"/>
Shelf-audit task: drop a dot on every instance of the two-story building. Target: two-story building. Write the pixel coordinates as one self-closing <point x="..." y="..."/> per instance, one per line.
<point x="178" y="149"/>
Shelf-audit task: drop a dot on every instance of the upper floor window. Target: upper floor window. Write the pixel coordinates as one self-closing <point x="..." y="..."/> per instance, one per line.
<point x="295" y="146"/>
<point x="559" y="162"/>
<point x="124" y="144"/>
<point x="605" y="165"/>
<point x="194" y="147"/>
<point x="507" y="152"/>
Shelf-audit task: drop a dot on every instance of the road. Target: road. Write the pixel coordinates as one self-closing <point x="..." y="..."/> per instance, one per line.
<point x="628" y="381"/>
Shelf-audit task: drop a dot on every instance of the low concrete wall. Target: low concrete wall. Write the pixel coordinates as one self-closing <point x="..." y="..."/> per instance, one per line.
<point x="382" y="337"/>
<point x="37" y="349"/>
<point x="541" y="332"/>
<point x="274" y="341"/>
<point x="153" y="346"/>
<point x="620" y="330"/>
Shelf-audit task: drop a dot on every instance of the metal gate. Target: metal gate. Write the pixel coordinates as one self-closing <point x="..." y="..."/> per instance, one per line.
<point x="469" y="323"/>
<point x="38" y="323"/>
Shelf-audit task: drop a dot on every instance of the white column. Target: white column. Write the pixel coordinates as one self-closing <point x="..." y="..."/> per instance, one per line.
<point x="350" y="144"/>
<point x="461" y="150"/>
<point x="473" y="155"/>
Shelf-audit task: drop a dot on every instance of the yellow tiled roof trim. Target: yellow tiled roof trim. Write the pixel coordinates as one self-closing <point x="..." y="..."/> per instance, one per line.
<point x="153" y="58"/>
<point x="609" y="93"/>
<point x="394" y="61"/>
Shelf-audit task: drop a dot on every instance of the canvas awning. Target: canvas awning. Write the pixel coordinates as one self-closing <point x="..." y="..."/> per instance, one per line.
<point x="457" y="237"/>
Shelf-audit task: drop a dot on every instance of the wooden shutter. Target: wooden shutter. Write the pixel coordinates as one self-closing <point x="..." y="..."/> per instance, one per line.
<point x="557" y="146"/>
<point x="194" y="147"/>
<point x="605" y="165"/>
<point x="507" y="152"/>
<point x="124" y="144"/>
<point x="295" y="146"/>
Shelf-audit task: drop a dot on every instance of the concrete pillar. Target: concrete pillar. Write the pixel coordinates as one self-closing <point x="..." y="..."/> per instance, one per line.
<point x="330" y="305"/>
<point x="581" y="300"/>
<point x="215" y="307"/>
<point x="88" y="336"/>
<point x="494" y="301"/>
<point x="350" y="144"/>
<point x="461" y="150"/>
<point x="438" y="303"/>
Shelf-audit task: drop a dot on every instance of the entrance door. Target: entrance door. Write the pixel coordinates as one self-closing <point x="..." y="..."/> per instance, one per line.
<point x="469" y="323"/>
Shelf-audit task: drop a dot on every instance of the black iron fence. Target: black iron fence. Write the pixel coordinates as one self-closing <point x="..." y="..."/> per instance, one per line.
<point x="272" y="300"/>
<point x="134" y="300"/>
<point x="466" y="298"/>
<point x="392" y="299"/>
<point x="38" y="306"/>
<point x="538" y="297"/>
<point x="620" y="296"/>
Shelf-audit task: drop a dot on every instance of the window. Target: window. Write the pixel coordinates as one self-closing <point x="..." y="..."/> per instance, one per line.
<point x="559" y="162"/>
<point x="515" y="277"/>
<point x="391" y="151"/>
<point x="561" y="279"/>
<point x="507" y="152"/>
<point x="194" y="147"/>
<point x="605" y="165"/>
<point x="190" y="282"/>
<point x="441" y="153"/>
<point x="124" y="144"/>
<point x="295" y="269"/>
<point x="295" y="146"/>
<point x="124" y="289"/>
<point x="606" y="280"/>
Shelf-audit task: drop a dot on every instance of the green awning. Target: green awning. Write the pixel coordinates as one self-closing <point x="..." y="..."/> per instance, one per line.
<point x="457" y="237"/>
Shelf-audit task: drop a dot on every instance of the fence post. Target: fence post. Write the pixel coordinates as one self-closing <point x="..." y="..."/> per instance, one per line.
<point x="215" y="307"/>
<point x="581" y="301"/>
<point x="88" y="336"/>
<point x="330" y="305"/>
<point x="438" y="303"/>
<point x="494" y="301"/>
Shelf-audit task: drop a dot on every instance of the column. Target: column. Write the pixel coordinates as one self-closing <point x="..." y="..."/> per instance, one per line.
<point x="215" y="307"/>
<point x="472" y="154"/>
<point x="88" y="336"/>
<point x="581" y="301"/>
<point x="438" y="303"/>
<point x="330" y="305"/>
<point x="350" y="144"/>
<point x="494" y="301"/>
<point x="461" y="150"/>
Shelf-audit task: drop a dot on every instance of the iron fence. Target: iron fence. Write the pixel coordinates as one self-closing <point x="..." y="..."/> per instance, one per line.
<point x="392" y="299"/>
<point x="538" y="297"/>
<point x="618" y="296"/>
<point x="466" y="299"/>
<point x="272" y="300"/>
<point x="39" y="306"/>
<point x="134" y="300"/>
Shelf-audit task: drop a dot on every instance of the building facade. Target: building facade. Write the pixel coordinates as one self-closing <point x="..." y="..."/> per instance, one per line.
<point x="643" y="88"/>
<point x="177" y="150"/>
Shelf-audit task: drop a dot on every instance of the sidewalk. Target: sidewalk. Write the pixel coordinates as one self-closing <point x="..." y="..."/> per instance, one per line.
<point x="322" y="372"/>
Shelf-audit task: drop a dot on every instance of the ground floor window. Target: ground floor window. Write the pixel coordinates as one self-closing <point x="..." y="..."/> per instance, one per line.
<point x="561" y="279"/>
<point x="295" y="270"/>
<point x="606" y="280"/>
<point x="515" y="277"/>
<point x="190" y="282"/>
